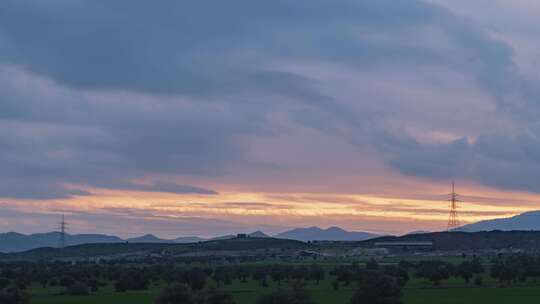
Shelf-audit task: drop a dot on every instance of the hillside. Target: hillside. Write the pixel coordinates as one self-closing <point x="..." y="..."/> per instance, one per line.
<point x="449" y="241"/>
<point x="94" y="250"/>
<point x="188" y="239"/>
<point x="148" y="238"/>
<point x="16" y="242"/>
<point x="525" y="221"/>
<point x="248" y="244"/>
<point x="330" y="234"/>
<point x="84" y="251"/>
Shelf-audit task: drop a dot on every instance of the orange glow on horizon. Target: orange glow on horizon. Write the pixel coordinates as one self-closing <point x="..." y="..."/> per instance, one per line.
<point x="363" y="211"/>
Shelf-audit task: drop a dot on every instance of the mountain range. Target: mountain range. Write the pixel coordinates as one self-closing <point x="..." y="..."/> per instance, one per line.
<point x="330" y="234"/>
<point x="17" y="242"/>
<point x="524" y="222"/>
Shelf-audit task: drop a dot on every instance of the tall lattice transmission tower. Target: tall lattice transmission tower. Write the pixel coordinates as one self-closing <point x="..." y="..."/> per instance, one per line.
<point x="63" y="227"/>
<point x="453" y="220"/>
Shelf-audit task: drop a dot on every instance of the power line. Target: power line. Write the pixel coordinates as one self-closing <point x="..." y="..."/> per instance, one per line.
<point x="453" y="219"/>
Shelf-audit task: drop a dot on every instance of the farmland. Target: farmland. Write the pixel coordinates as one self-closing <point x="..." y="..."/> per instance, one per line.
<point x="416" y="291"/>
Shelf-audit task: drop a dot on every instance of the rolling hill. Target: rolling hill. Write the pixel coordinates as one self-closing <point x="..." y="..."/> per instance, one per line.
<point x="18" y="242"/>
<point x="14" y="242"/>
<point x="148" y="238"/>
<point x="459" y="241"/>
<point x="330" y="234"/>
<point x="525" y="222"/>
<point x="246" y="245"/>
<point x="188" y="239"/>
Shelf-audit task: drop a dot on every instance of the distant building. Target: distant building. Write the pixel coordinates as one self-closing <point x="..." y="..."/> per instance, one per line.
<point x="241" y="235"/>
<point x="362" y="251"/>
<point x="406" y="246"/>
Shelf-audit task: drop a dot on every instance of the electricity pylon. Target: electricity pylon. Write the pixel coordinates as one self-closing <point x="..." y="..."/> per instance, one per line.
<point x="453" y="220"/>
<point x="63" y="227"/>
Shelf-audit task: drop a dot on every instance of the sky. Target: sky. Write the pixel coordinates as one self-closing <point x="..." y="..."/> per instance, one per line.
<point x="205" y="118"/>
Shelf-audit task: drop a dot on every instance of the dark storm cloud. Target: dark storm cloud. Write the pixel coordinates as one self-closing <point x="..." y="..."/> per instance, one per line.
<point x="164" y="187"/>
<point x="125" y="222"/>
<point x="508" y="162"/>
<point x="101" y="93"/>
<point x="208" y="47"/>
<point x="70" y="138"/>
<point x="29" y="188"/>
<point x="191" y="47"/>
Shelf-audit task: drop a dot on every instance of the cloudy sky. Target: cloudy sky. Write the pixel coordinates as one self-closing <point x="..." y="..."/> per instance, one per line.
<point x="204" y="117"/>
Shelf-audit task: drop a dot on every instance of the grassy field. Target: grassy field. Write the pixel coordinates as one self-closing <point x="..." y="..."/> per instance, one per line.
<point x="453" y="291"/>
<point x="417" y="291"/>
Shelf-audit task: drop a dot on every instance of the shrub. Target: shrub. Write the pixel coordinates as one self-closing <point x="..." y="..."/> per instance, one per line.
<point x="378" y="289"/>
<point x="297" y="295"/>
<point x="14" y="296"/>
<point x="77" y="289"/>
<point x="176" y="294"/>
<point x="478" y="281"/>
<point x="214" y="296"/>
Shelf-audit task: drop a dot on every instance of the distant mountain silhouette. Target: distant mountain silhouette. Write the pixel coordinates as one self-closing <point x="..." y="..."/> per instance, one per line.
<point x="188" y="239"/>
<point x="17" y="242"/>
<point x="258" y="234"/>
<point x="13" y="241"/>
<point x="330" y="234"/>
<point x="418" y="232"/>
<point x="148" y="238"/>
<point x="223" y="237"/>
<point x="525" y="221"/>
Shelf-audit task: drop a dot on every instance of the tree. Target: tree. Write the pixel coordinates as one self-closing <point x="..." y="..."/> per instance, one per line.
<point x="465" y="272"/>
<point x="77" y="289"/>
<point x="372" y="265"/>
<point x="214" y="296"/>
<point x="296" y="295"/>
<point x="476" y="266"/>
<point x="316" y="273"/>
<point x="132" y="280"/>
<point x="14" y="296"/>
<point x="197" y="278"/>
<point x="344" y="275"/>
<point x="4" y="282"/>
<point x="435" y="271"/>
<point x="378" y="289"/>
<point x="94" y="285"/>
<point x="66" y="281"/>
<point x="120" y="286"/>
<point x="243" y="273"/>
<point x="478" y="281"/>
<point x="277" y="274"/>
<point x="279" y="296"/>
<point x="260" y="274"/>
<point x="503" y="271"/>
<point x="220" y="275"/>
<point x="469" y="268"/>
<point x="176" y="294"/>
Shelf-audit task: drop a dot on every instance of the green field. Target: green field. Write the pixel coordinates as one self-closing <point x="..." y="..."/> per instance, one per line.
<point x="453" y="291"/>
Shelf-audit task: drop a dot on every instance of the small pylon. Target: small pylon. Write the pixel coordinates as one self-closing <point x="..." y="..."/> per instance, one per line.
<point x="63" y="227"/>
<point x="453" y="219"/>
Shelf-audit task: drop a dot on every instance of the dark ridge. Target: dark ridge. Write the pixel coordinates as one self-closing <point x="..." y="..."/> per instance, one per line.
<point x="449" y="241"/>
<point x="141" y="249"/>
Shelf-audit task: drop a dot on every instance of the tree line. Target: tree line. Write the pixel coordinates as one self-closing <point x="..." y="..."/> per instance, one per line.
<point x="378" y="283"/>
